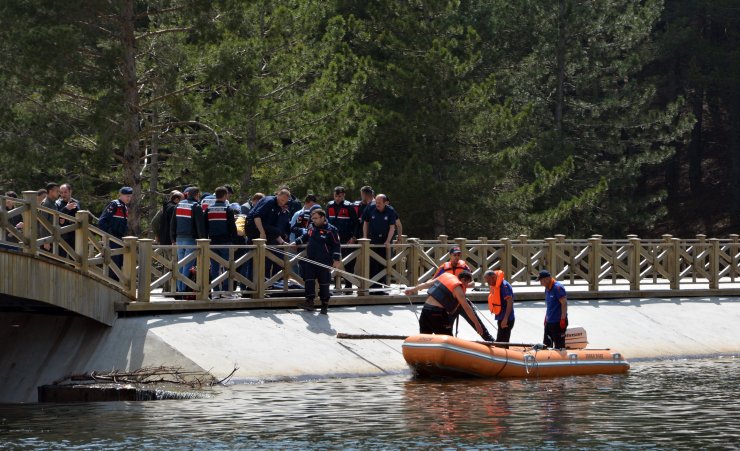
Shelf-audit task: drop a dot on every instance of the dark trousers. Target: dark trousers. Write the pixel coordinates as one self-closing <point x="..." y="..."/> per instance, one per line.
<point x="435" y="320"/>
<point x="504" y="335"/>
<point x="554" y="335"/>
<point x="311" y="274"/>
<point x="485" y="335"/>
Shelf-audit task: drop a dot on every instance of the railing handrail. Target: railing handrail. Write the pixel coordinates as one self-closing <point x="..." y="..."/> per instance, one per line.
<point x="595" y="261"/>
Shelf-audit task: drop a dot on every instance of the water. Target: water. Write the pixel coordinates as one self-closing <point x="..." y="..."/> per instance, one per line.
<point x="669" y="404"/>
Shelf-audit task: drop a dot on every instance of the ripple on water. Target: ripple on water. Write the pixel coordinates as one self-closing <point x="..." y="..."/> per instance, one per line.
<point x="659" y="404"/>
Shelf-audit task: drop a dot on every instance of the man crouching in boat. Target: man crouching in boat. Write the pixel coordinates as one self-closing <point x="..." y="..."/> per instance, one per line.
<point x="444" y="303"/>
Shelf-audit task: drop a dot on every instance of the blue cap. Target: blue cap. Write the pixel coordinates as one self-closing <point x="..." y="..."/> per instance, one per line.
<point x="544" y="273"/>
<point x="126" y="190"/>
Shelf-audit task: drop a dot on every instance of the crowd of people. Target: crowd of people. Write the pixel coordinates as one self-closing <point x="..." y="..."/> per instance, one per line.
<point x="280" y="219"/>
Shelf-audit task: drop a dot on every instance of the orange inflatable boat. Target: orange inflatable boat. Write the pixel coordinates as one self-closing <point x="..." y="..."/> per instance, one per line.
<point x="443" y="355"/>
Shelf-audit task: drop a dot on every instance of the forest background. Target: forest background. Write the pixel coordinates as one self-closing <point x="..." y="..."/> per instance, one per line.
<point x="476" y="117"/>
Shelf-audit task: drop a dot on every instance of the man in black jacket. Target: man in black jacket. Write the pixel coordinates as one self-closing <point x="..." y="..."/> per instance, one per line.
<point x="162" y="232"/>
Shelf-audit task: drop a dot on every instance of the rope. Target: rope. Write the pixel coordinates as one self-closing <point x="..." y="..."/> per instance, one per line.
<point x="341" y="271"/>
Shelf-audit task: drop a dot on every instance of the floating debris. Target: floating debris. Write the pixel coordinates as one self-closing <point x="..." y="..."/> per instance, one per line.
<point x="145" y="384"/>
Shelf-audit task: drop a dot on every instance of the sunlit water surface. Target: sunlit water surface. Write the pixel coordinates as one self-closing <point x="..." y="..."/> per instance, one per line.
<point x="668" y="404"/>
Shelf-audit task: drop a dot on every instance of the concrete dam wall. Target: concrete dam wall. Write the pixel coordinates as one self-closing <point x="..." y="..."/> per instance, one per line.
<point x="282" y="344"/>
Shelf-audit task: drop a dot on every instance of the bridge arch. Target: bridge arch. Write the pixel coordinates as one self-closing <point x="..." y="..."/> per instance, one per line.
<point x="41" y="280"/>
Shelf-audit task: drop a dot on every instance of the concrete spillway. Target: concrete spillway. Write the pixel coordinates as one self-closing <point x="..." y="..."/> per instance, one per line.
<point x="37" y="349"/>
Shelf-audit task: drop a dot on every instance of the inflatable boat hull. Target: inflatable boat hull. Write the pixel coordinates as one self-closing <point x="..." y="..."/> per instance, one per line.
<point x="443" y="355"/>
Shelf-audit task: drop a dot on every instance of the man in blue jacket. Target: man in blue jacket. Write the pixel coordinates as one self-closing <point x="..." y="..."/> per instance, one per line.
<point x="114" y="220"/>
<point x="187" y="226"/>
<point x="556" y="313"/>
<point x="221" y="226"/>
<point x="323" y="247"/>
<point x="341" y="214"/>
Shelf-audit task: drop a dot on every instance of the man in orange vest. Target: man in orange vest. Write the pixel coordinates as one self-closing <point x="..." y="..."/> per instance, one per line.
<point x="501" y="303"/>
<point x="446" y="300"/>
<point x="455" y="265"/>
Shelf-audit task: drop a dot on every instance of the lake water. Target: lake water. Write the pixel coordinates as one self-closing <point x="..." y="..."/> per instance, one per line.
<point x="666" y="404"/>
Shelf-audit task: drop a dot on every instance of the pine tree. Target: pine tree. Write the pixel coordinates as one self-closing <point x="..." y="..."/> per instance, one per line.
<point x="580" y="66"/>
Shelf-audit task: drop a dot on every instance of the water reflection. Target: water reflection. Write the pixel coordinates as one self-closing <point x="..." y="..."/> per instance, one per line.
<point x="664" y="404"/>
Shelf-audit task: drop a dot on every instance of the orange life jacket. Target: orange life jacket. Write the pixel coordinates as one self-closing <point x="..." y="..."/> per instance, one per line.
<point x="494" y="295"/>
<point x="443" y="291"/>
<point x="459" y="267"/>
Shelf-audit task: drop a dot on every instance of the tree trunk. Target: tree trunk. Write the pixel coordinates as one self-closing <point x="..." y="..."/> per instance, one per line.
<point x="130" y="126"/>
<point x="440" y="222"/>
<point x="695" y="146"/>
<point x="559" y="96"/>
<point x="154" y="198"/>
<point x="733" y="147"/>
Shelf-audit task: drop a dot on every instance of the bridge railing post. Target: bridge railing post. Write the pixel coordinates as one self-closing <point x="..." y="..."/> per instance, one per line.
<point x="258" y="265"/>
<point x="634" y="263"/>
<point x="558" y="265"/>
<point x="506" y="258"/>
<point x="364" y="260"/>
<point x="594" y="262"/>
<point x="129" y="265"/>
<point x="202" y="275"/>
<point x="714" y="263"/>
<point x="146" y="250"/>
<point x="30" y="220"/>
<point x="440" y="252"/>
<point x="414" y="261"/>
<point x="551" y="256"/>
<point x="675" y="263"/>
<point x="82" y="235"/>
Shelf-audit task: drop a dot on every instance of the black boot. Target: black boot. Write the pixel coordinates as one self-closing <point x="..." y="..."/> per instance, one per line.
<point x="324" y="307"/>
<point x="307" y="305"/>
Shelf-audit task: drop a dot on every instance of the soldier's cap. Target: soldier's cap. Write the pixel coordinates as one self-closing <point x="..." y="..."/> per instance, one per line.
<point x="543" y="274"/>
<point x="126" y="190"/>
<point x="455" y="250"/>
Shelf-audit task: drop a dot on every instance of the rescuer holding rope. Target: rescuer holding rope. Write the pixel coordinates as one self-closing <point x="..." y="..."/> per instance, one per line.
<point x="446" y="300"/>
<point x="323" y="247"/>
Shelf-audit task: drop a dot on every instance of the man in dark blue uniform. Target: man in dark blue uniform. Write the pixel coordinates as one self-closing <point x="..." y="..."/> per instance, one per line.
<point x="187" y="225"/>
<point x="270" y="220"/>
<point x="379" y="226"/>
<point x="264" y="219"/>
<point x="69" y="206"/>
<point x="341" y="214"/>
<point x="221" y="226"/>
<point x="367" y="197"/>
<point x="556" y="311"/>
<point x="323" y="247"/>
<point x="114" y="220"/>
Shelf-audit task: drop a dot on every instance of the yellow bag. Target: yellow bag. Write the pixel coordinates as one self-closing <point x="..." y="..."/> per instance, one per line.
<point x="241" y="225"/>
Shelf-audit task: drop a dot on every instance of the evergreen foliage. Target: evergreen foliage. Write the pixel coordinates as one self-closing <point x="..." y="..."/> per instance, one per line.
<point x="476" y="117"/>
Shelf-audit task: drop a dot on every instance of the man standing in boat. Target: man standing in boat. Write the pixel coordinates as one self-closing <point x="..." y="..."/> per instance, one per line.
<point x="501" y="303"/>
<point x="455" y="265"/>
<point x="446" y="300"/>
<point x="556" y="313"/>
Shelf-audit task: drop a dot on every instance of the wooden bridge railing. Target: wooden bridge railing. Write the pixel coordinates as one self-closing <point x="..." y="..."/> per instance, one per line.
<point x="259" y="270"/>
